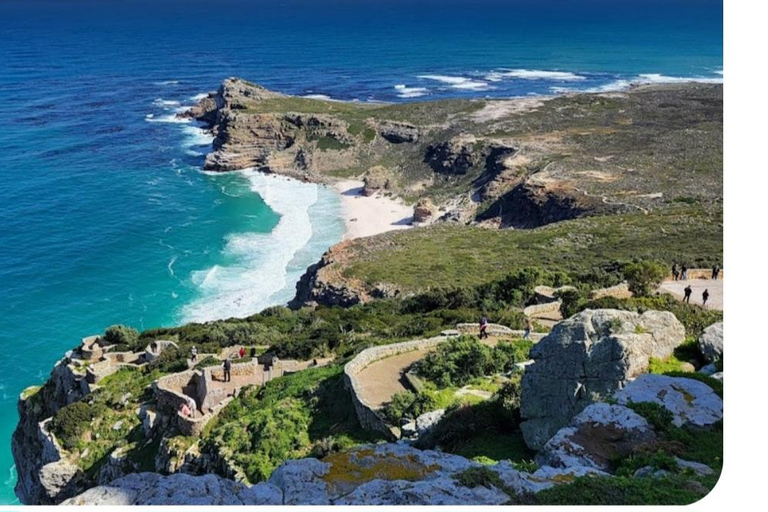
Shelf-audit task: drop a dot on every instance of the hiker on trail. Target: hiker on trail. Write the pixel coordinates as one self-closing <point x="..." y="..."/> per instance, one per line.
<point x="483" y="327"/>
<point x="704" y="297"/>
<point x="193" y="354"/>
<point x="688" y="291"/>
<point x="527" y="329"/>
<point x="241" y="352"/>
<point x="675" y="272"/>
<point x="227" y="368"/>
<point x="253" y="352"/>
<point x="715" y="271"/>
<point x="685" y="273"/>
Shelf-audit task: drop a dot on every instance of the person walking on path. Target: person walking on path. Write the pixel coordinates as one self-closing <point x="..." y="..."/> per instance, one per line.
<point x="716" y="272"/>
<point x="227" y="369"/>
<point x="704" y="297"/>
<point x="241" y="352"/>
<point x="685" y="273"/>
<point x="527" y="329"/>
<point x="483" y="327"/>
<point x="193" y="354"/>
<point x="675" y="272"/>
<point x="688" y="291"/>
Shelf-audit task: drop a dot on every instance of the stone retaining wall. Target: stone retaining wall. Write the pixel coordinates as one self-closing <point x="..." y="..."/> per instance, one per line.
<point x="542" y="309"/>
<point x="620" y="291"/>
<point x="369" y="417"/>
<point x="493" y="329"/>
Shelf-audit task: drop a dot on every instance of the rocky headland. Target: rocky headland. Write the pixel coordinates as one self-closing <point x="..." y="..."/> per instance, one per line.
<point x="527" y="211"/>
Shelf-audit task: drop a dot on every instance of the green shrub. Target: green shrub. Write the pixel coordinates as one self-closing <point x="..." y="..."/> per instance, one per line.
<point x="657" y="415"/>
<point x="482" y="477"/>
<point x="71" y="422"/>
<point x="170" y="360"/>
<point x="618" y="490"/>
<point x="399" y="406"/>
<point x="644" y="277"/>
<point x="508" y="397"/>
<point x="122" y="335"/>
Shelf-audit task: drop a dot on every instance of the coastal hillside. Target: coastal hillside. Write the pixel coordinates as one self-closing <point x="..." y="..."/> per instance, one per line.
<point x="557" y="220"/>
<point x="507" y="163"/>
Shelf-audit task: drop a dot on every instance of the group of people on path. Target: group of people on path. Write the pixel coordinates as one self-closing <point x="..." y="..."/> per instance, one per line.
<point x="688" y="291"/>
<point x="680" y="272"/>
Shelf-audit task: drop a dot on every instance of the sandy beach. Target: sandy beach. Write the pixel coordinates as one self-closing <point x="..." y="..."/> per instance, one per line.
<point x="367" y="216"/>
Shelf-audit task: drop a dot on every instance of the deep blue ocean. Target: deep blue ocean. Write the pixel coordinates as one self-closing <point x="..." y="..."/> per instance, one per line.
<point x="105" y="216"/>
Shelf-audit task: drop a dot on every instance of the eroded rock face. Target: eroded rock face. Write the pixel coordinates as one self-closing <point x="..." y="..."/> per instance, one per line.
<point x="597" y="436"/>
<point x="398" y="132"/>
<point x="690" y="401"/>
<point x="455" y="156"/>
<point x="586" y="358"/>
<point x="320" y="284"/>
<point x="711" y="342"/>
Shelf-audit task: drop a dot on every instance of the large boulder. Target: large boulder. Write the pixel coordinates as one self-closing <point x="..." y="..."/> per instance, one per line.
<point x="596" y="437"/>
<point x="585" y="359"/>
<point x="424" y="210"/>
<point x="397" y="132"/>
<point x="375" y="180"/>
<point x="711" y="342"/>
<point x="690" y="401"/>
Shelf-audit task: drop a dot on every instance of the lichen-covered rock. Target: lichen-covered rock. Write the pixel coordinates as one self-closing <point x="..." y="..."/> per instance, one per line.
<point x="439" y="491"/>
<point x="690" y="401"/>
<point x="302" y="483"/>
<point x="585" y="359"/>
<point x="177" y="489"/>
<point x="596" y="437"/>
<point x="424" y="210"/>
<point x="711" y="342"/>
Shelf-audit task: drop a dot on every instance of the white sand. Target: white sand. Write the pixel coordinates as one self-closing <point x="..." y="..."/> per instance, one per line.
<point x="367" y="216"/>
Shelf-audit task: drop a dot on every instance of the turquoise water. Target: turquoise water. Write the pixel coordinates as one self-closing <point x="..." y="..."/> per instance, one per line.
<point x="105" y="216"/>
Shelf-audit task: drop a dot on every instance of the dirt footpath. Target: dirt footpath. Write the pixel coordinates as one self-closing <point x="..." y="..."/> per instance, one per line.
<point x="698" y="285"/>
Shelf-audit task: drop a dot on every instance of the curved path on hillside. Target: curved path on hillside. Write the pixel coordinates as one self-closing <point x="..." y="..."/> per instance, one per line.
<point x="715" y="288"/>
<point x="380" y="380"/>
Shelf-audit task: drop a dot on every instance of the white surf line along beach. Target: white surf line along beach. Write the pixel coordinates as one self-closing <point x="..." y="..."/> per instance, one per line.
<point x="368" y="216"/>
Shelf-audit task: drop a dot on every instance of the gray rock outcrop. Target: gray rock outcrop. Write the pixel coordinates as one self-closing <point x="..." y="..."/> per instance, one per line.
<point x="386" y="474"/>
<point x="596" y="437"/>
<point x="178" y="489"/>
<point x="691" y="402"/>
<point x="711" y="342"/>
<point x="586" y="358"/>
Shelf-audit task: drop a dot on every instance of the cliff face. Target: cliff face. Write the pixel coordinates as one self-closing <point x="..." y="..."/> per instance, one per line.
<point x="44" y="477"/>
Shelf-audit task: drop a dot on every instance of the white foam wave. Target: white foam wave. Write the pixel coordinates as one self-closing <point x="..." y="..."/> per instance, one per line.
<point x="655" y="78"/>
<point x="159" y="102"/>
<point x="458" y="82"/>
<point x="318" y="97"/>
<point x="410" y="92"/>
<point x="259" y="270"/>
<point x="167" y="82"/>
<point x="534" y="74"/>
<point x="170" y="118"/>
<point x="198" y="97"/>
